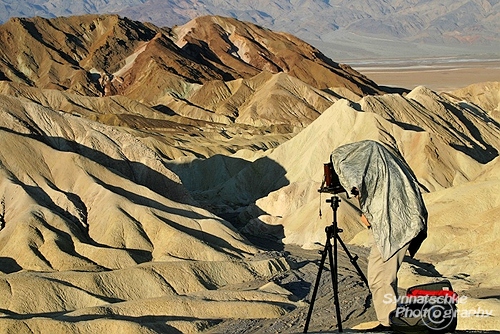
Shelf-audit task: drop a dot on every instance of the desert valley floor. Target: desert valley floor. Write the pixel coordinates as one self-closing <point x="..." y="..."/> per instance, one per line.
<point x="442" y="74"/>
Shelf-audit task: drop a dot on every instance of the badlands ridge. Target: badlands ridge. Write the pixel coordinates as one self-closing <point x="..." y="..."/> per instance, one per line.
<point x="156" y="180"/>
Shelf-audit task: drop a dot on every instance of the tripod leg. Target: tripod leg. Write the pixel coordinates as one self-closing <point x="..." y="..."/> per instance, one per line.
<point x="335" y="277"/>
<point x="353" y="259"/>
<point x="328" y="248"/>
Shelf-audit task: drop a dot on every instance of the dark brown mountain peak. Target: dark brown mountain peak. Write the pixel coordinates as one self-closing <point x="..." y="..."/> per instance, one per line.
<point x="62" y="53"/>
<point x="248" y="49"/>
<point x="108" y="55"/>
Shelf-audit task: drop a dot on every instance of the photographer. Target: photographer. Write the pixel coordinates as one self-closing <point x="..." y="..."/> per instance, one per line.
<point x="392" y="208"/>
<point x="382" y="278"/>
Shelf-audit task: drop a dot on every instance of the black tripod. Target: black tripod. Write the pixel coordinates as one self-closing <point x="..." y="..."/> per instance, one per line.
<point x="333" y="231"/>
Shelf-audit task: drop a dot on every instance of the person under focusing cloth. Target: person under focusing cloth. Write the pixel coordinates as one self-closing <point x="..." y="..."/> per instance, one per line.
<point x="391" y="207"/>
<point x="382" y="278"/>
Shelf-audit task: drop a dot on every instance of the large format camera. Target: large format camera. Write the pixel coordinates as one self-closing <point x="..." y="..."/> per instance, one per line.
<point x="331" y="183"/>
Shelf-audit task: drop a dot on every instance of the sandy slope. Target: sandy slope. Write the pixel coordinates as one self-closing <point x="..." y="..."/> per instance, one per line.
<point x="105" y="235"/>
<point x="94" y="224"/>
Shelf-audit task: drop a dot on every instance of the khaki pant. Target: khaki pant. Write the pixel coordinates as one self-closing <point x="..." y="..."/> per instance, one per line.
<point x="383" y="281"/>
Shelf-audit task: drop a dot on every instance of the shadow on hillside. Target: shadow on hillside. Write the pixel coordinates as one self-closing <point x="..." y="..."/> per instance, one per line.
<point x="227" y="180"/>
<point x="134" y="171"/>
<point x="227" y="185"/>
<point x="137" y="173"/>
<point x="469" y="139"/>
<point x="394" y="90"/>
<point x="8" y="265"/>
<point x="231" y="179"/>
<point x="476" y="147"/>
<point x="423" y="268"/>
<point x="165" y="110"/>
<point x="78" y="226"/>
<point x="217" y="243"/>
<point x="202" y="54"/>
<point x="269" y="239"/>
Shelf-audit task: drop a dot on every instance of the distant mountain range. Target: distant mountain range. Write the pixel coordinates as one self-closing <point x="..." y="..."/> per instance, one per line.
<point x="343" y="29"/>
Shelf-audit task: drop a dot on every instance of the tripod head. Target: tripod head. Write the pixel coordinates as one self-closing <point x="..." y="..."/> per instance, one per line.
<point x="334" y="201"/>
